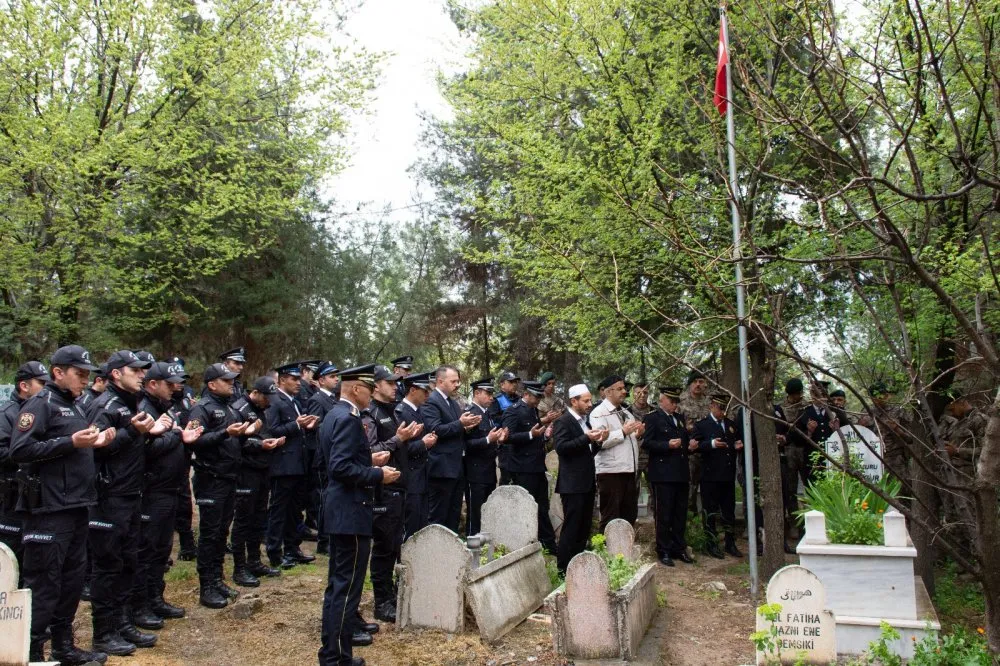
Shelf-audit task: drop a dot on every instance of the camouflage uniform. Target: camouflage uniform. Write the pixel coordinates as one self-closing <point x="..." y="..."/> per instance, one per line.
<point x="694" y="409"/>
<point x="892" y="425"/>
<point x="639" y="412"/>
<point x="547" y="404"/>
<point x="966" y="435"/>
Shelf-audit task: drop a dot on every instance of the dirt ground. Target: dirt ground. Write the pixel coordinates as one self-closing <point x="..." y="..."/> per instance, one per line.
<point x="697" y="626"/>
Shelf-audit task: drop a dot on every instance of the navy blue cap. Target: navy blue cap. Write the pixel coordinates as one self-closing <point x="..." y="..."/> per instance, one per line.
<point x="166" y="372"/>
<point x="672" y="392"/>
<point x="484" y="384"/>
<point x="326" y="368"/>
<point x="219" y="371"/>
<point x="509" y="376"/>
<point x="312" y="365"/>
<point x="291" y="369"/>
<point x="126" y="358"/>
<point x="610" y="381"/>
<point x="239" y="354"/>
<point x="383" y="373"/>
<point x="420" y="380"/>
<point x="102" y="371"/>
<point x="361" y="373"/>
<point x="402" y="362"/>
<point x="721" y="399"/>
<point x="534" y="388"/>
<point x="31" y="370"/>
<point x="265" y="385"/>
<point x="73" y="355"/>
<point x="144" y="355"/>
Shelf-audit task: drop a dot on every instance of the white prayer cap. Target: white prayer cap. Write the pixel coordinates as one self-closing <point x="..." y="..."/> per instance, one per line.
<point x="577" y="390"/>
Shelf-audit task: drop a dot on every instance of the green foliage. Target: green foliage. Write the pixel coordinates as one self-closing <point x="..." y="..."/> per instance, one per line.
<point x="853" y="512"/>
<point x="766" y="640"/>
<point x="959" y="648"/>
<point x="954" y="597"/>
<point x="552" y="569"/>
<point x="499" y="550"/>
<point x="880" y="650"/>
<point x="620" y="570"/>
<point x="694" y="533"/>
<point x="661" y="598"/>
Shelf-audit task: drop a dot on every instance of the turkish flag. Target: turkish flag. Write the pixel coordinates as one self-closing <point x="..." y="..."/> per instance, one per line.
<point x="720" y="73"/>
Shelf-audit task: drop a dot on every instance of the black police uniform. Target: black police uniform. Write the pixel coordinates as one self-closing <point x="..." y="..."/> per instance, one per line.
<point x="217" y="460"/>
<point x="445" y="469"/>
<point x="718" y="477"/>
<point x="115" y="520"/>
<point x="526" y="463"/>
<point x="182" y="403"/>
<point x="668" y="470"/>
<point x="501" y="404"/>
<point x="166" y="467"/>
<point x="253" y="489"/>
<point x="288" y="472"/>
<point x="575" y="484"/>
<point x="10" y="520"/>
<point x="349" y="499"/>
<point x="57" y="490"/>
<point x="319" y="404"/>
<point x="415" y="513"/>
<point x="480" y="467"/>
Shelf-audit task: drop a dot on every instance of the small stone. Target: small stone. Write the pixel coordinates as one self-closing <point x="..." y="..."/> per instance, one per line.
<point x="532" y="658"/>
<point x="716" y="585"/>
<point x="246" y="608"/>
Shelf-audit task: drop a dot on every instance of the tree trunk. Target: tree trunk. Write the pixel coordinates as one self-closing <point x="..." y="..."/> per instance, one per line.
<point x="768" y="482"/>
<point x="988" y="525"/>
<point x="571" y="368"/>
<point x="730" y="378"/>
<point x="926" y="506"/>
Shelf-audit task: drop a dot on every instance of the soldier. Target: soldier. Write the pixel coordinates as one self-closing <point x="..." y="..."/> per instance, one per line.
<point x="526" y="459"/>
<point x="669" y="444"/>
<point x="795" y="469"/>
<point x="322" y="400"/>
<point x="551" y="405"/>
<point x="99" y="385"/>
<point x="416" y="512"/>
<point x="235" y="360"/>
<point x="166" y="466"/>
<point x="385" y="434"/>
<point x="354" y="472"/>
<point x="963" y="429"/>
<point x="838" y="399"/>
<point x="576" y="445"/>
<point x="892" y="425"/>
<point x="54" y="443"/>
<point x="401" y="367"/>
<point x="218" y="454"/>
<point x="288" y="470"/>
<point x="814" y="426"/>
<point x="640" y="407"/>
<point x="29" y="379"/>
<point x="508" y="396"/>
<point x="481" y="446"/>
<point x="618" y="459"/>
<point x="694" y="406"/>
<point x="253" y="486"/>
<point x="718" y="440"/>
<point x="115" y="521"/>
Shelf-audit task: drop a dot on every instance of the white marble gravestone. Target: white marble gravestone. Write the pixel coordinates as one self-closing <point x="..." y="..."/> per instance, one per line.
<point x="860" y="441"/>
<point x="806" y="627"/>
<point x="431" y="575"/>
<point x="619" y="537"/>
<point x="15" y="613"/>
<point x="510" y="517"/>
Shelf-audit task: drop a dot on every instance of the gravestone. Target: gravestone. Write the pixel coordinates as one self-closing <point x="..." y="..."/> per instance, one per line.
<point x="431" y="575"/>
<point x="806" y="628"/>
<point x="510" y="516"/>
<point x="859" y="441"/>
<point x="591" y="630"/>
<point x="15" y="613"/>
<point x="619" y="537"/>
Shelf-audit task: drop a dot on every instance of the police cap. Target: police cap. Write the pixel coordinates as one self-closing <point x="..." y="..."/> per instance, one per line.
<point x="219" y="371"/>
<point x="509" y="376"/>
<point x="420" y="380"/>
<point x="126" y="358"/>
<point x="144" y="355"/>
<point x="238" y="354"/>
<point x="484" y="384"/>
<point x="405" y="362"/>
<point x="362" y="373"/>
<point x="31" y="370"/>
<point x="720" y="399"/>
<point x="291" y="369"/>
<point x="326" y="368"/>
<point x="265" y="385"/>
<point x="167" y="372"/>
<point x="534" y="388"/>
<point x="72" y="355"/>
<point x="672" y="392"/>
<point x="383" y="373"/>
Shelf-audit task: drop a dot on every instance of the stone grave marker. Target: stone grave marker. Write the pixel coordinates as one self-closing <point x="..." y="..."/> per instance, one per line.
<point x="619" y="537"/>
<point x="860" y="441"/>
<point x="431" y="575"/>
<point x="591" y="630"/>
<point x="15" y="613"/>
<point x="805" y="627"/>
<point x="510" y="517"/>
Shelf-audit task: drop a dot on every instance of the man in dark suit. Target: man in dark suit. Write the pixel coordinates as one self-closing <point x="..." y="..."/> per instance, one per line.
<point x="443" y="416"/>
<point x="527" y="456"/>
<point x="576" y="445"/>
<point x="288" y="469"/>
<point x="418" y="386"/>
<point x="720" y="447"/>
<point x="667" y="441"/>
<point x="815" y="425"/>
<point x="353" y="472"/>
<point x="481" y="446"/>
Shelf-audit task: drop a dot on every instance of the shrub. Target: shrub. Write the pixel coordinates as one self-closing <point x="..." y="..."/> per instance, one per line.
<point x="853" y="512"/>
<point x="620" y="570"/>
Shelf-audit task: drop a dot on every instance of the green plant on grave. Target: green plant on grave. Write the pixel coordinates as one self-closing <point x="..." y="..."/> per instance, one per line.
<point x="620" y="570"/>
<point x="766" y="640"/>
<point x="853" y="512"/>
<point x="694" y="533"/>
<point x="880" y="651"/>
<point x="960" y="648"/>
<point x="552" y="569"/>
<point x="499" y="550"/>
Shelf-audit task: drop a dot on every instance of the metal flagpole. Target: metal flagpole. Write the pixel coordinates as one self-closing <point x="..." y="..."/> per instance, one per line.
<point x="748" y="501"/>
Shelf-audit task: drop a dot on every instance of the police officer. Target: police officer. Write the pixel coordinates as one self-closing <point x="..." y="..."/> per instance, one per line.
<point x="508" y="397"/>
<point x="97" y="387"/>
<point x="288" y="470"/>
<point x="720" y="446"/>
<point x="307" y="383"/>
<point x="668" y="443"/>
<point x="182" y="402"/>
<point x="253" y="487"/>
<point x="385" y="434"/>
<point x="401" y="367"/>
<point x="354" y="472"/>
<point x="235" y="360"/>
<point x="218" y="454"/>
<point x="54" y="443"/>
<point x="327" y="379"/>
<point x="29" y="379"/>
<point x="115" y="521"/>
<point x="166" y="466"/>
<point x="527" y="456"/>
<point x="814" y="426"/>
<point x="416" y="513"/>
<point x="481" y="446"/>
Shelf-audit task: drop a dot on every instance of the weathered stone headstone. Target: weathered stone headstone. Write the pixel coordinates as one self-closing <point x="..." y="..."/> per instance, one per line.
<point x="806" y="628"/>
<point x="502" y="593"/>
<point x="431" y="574"/>
<point x="860" y="441"/>
<point x="591" y="631"/>
<point x="619" y="537"/>
<point x="15" y="613"/>
<point x="510" y="515"/>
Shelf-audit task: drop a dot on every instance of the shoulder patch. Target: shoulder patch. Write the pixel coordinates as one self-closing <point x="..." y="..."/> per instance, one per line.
<point x="25" y="421"/>
<point x="194" y="423"/>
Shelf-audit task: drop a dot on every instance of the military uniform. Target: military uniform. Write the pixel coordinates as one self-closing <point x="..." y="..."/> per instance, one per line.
<point x="480" y="461"/>
<point x="718" y="479"/>
<point x="668" y="473"/>
<point x="694" y="409"/>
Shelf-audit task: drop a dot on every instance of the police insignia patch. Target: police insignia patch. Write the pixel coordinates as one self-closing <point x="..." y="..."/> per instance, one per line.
<point x="25" y="421"/>
<point x="194" y="423"/>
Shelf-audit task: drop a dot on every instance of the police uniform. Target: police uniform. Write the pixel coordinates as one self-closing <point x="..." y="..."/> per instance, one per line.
<point x="348" y="499"/>
<point x="501" y="404"/>
<point x="718" y="477"/>
<point x="89" y="394"/>
<point x="115" y="520"/>
<point x="56" y="491"/>
<point x="576" y="483"/>
<point x="480" y="460"/>
<point x="217" y="460"/>
<point x="252" y="490"/>
<point x="319" y="404"/>
<point x="406" y="363"/>
<point x="182" y="402"/>
<point x="238" y="354"/>
<point x="416" y="513"/>
<point x="668" y="472"/>
<point x="166" y="466"/>
<point x="526" y="460"/>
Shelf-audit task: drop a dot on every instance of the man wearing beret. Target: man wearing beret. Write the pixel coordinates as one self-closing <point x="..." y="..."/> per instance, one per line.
<point x="618" y="460"/>
<point x="694" y="406"/>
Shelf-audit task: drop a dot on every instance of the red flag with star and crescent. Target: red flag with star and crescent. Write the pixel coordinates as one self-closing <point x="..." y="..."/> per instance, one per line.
<point x="721" y="94"/>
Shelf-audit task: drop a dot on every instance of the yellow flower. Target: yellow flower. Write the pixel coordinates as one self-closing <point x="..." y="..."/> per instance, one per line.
<point x="879" y="525"/>
<point x="880" y="511"/>
<point x="980" y="630"/>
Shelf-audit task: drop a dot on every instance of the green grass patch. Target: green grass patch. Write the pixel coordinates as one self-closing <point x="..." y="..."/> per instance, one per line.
<point x="741" y="569"/>
<point x="181" y="571"/>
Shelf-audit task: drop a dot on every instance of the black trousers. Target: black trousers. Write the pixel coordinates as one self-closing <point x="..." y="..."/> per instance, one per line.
<point x="718" y="499"/>
<point x="250" y="514"/>
<point x="415" y="514"/>
<point x="387" y="540"/>
<point x="310" y="499"/>
<point x="10" y="536"/>
<point x="345" y="580"/>
<point x="536" y="484"/>
<point x="55" y="557"/>
<point x="114" y="544"/>
<point x="156" y="538"/>
<point x="578" y="514"/>
<point x="444" y="499"/>
<point x="283" y="513"/>
<point x="476" y="496"/>
<point x="185" y="506"/>
<point x="216" y="498"/>
<point x="619" y="497"/>
<point x="671" y="518"/>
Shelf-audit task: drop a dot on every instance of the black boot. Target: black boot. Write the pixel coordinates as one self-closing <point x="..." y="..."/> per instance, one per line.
<point x="211" y="597"/>
<point x="131" y="633"/>
<point x="187" y="551"/>
<point x="243" y="577"/>
<point x="145" y="618"/>
<point x="365" y="625"/>
<point x="323" y="545"/>
<point x="36" y="651"/>
<point x="731" y="546"/>
<point x="713" y="550"/>
<point x="300" y="557"/>
<point x="224" y="589"/>
<point x="109" y="641"/>
<point x="386" y="611"/>
<point x="67" y="654"/>
<point x="258" y="569"/>
<point x="165" y="610"/>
